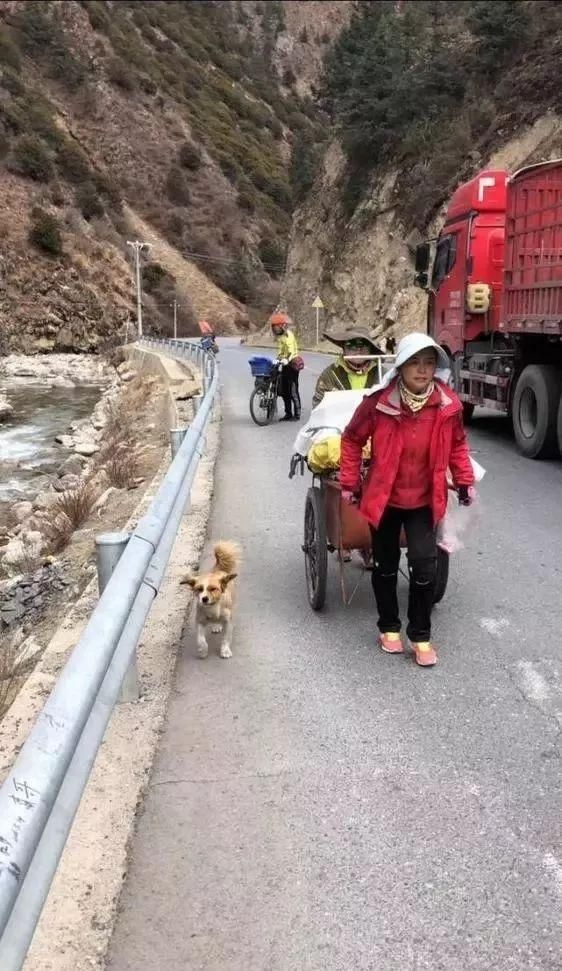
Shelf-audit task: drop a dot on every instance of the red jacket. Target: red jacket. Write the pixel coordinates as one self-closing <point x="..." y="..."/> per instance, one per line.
<point x="380" y="417"/>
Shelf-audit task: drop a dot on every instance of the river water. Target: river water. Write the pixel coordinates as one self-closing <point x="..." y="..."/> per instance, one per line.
<point x="28" y="451"/>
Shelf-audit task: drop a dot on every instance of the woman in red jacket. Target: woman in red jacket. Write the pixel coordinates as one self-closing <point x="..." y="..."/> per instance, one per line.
<point x="416" y="431"/>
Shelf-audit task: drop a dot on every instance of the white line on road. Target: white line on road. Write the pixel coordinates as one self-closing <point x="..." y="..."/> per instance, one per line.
<point x="493" y="626"/>
<point x="534" y="685"/>
<point x="554" y="869"/>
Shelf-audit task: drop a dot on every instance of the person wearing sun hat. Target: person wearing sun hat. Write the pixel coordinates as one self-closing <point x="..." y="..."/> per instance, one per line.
<point x="414" y="423"/>
<point x="350" y="371"/>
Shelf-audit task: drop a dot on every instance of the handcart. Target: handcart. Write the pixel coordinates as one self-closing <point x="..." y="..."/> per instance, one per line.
<point x="333" y="525"/>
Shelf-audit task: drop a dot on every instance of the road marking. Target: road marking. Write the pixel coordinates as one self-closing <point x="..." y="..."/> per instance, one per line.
<point x="494" y="627"/>
<point x="534" y="685"/>
<point x="554" y="870"/>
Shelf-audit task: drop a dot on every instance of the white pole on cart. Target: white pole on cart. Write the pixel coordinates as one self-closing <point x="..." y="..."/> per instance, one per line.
<point x="318" y="306"/>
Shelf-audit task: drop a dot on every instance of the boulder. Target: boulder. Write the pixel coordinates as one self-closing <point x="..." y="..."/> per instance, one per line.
<point x="101" y="501"/>
<point x="86" y="448"/>
<point x="62" y="383"/>
<point x="14" y="555"/>
<point x="33" y="541"/>
<point x="71" y="466"/>
<point x="67" y="483"/>
<point x="22" y="510"/>
<point x="100" y="481"/>
<point x="6" y="409"/>
<point x="65" y="440"/>
<point x="45" y="499"/>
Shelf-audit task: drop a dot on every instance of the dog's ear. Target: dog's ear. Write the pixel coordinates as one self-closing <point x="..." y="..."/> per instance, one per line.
<point x="227" y="578"/>
<point x="189" y="579"/>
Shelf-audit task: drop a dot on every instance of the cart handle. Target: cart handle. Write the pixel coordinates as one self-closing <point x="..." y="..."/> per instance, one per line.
<point x="297" y="464"/>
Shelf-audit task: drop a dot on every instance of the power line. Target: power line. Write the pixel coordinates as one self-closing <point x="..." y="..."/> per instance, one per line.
<point x="281" y="266"/>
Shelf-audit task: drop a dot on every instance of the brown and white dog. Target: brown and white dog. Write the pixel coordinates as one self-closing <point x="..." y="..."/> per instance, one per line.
<point x="215" y="598"/>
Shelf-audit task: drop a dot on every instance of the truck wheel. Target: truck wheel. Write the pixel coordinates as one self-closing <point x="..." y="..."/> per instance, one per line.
<point x="535" y="410"/>
<point x="560" y="427"/>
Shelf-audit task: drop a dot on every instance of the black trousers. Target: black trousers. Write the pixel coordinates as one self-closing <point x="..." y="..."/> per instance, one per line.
<point x="290" y="391"/>
<point x="422" y="565"/>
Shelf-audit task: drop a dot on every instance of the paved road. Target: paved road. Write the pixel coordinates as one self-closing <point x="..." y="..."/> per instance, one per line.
<point x="318" y="805"/>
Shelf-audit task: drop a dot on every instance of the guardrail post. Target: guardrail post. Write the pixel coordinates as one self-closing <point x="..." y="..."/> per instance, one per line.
<point x="109" y="549"/>
<point x="177" y="436"/>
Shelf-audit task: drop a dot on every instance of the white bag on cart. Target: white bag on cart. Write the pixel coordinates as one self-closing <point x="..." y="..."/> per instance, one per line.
<point x="330" y="417"/>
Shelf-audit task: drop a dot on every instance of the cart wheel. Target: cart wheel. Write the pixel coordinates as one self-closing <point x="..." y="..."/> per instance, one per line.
<point x="442" y="575"/>
<point x="315" y="548"/>
<point x="262" y="407"/>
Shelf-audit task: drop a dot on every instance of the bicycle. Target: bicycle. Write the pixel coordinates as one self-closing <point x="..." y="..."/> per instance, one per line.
<point x="263" y="399"/>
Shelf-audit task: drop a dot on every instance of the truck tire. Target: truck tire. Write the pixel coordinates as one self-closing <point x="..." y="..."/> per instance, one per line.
<point x="535" y="409"/>
<point x="560" y="427"/>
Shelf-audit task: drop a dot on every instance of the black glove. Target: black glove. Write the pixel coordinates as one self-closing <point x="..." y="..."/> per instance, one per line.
<point x="465" y="499"/>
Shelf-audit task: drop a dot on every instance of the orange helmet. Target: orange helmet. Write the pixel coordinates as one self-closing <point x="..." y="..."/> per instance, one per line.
<point x="279" y="319"/>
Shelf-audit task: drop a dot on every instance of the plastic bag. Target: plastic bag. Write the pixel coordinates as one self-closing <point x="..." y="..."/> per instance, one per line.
<point x="456" y="522"/>
<point x="458" y="519"/>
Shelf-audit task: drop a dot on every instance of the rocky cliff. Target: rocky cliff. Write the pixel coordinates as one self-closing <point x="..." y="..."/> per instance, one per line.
<point x="384" y="183"/>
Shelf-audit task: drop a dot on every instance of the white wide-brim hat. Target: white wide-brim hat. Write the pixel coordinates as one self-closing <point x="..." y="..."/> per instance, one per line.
<point x="412" y="344"/>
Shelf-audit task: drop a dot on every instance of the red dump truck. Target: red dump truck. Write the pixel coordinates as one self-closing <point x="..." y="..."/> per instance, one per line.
<point x="494" y="282"/>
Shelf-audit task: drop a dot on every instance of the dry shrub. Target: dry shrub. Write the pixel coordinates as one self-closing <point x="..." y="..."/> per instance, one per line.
<point x="122" y="467"/>
<point x="57" y="530"/>
<point x="76" y="505"/>
<point x="14" y="666"/>
<point x="116" y="355"/>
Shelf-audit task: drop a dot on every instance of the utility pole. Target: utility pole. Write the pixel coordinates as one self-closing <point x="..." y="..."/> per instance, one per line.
<point x="138" y="248"/>
<point x="175" y="305"/>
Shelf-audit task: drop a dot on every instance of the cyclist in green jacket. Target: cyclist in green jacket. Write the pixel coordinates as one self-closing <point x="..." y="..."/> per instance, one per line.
<point x="353" y="374"/>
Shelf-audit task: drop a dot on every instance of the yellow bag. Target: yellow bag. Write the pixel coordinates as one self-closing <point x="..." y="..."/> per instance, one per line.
<point x="325" y="456"/>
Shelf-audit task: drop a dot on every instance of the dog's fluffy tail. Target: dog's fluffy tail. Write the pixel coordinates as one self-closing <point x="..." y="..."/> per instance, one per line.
<point x="227" y="556"/>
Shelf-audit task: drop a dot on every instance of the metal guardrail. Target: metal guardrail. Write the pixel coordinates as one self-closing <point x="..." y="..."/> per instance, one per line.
<point x="42" y="792"/>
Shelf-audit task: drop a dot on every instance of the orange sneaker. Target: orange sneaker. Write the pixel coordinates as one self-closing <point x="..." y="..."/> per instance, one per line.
<point x="391" y="643"/>
<point x="424" y="653"/>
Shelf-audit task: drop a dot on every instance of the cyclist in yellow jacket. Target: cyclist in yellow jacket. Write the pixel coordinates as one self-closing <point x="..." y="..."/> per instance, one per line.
<point x="288" y="355"/>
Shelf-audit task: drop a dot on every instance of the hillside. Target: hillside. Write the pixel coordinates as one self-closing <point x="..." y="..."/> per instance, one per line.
<point x="421" y="95"/>
<point x="192" y="121"/>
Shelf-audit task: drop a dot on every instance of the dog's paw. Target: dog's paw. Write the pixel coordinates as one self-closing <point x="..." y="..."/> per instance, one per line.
<point x="202" y="650"/>
<point x="225" y="651"/>
<point x="217" y="629"/>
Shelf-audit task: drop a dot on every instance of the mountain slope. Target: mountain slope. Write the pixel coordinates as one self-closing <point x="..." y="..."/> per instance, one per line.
<point x="188" y="113"/>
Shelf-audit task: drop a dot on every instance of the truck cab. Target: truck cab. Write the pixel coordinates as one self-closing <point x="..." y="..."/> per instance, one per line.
<point x="495" y="298"/>
<point x="465" y="283"/>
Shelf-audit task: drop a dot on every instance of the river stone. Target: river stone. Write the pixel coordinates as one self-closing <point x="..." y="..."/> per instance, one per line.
<point x="62" y="383"/>
<point x="14" y="553"/>
<point x="6" y="409"/>
<point x="66" y="440"/>
<point x="33" y="543"/>
<point x="22" y="510"/>
<point x="67" y="483"/>
<point x="86" y="448"/>
<point x="71" y="466"/>
<point x="100" y="481"/>
<point x="45" y="500"/>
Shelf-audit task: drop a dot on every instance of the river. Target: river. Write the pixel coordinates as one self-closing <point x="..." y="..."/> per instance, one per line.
<point x="28" y="451"/>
